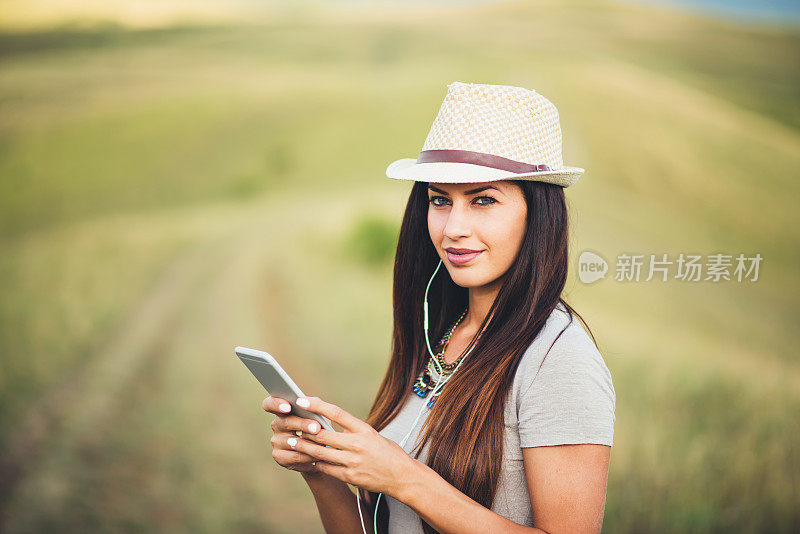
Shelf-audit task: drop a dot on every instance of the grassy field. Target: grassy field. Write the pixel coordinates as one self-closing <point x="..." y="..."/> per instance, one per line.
<point x="170" y="192"/>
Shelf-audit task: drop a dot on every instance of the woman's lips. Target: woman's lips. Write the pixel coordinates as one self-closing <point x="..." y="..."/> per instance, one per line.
<point x="461" y="259"/>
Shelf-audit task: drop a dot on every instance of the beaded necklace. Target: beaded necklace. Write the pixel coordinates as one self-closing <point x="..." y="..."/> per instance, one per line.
<point x="424" y="383"/>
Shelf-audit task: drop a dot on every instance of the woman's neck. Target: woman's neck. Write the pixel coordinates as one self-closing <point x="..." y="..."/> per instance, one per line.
<point x="480" y="300"/>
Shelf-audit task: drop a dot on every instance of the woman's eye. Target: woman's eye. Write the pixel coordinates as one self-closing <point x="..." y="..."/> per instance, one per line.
<point x="489" y="200"/>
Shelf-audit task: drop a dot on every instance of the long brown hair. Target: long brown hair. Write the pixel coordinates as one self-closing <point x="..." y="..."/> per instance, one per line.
<point x="466" y="424"/>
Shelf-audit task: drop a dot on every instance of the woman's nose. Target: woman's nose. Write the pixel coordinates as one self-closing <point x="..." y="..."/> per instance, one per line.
<point x="458" y="223"/>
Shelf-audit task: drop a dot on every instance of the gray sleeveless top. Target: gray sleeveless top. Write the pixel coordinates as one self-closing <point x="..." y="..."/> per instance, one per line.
<point x="569" y="400"/>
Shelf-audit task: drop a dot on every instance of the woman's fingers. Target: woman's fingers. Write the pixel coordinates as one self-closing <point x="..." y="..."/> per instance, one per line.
<point x="346" y="420"/>
<point x="291" y="459"/>
<point x="294" y="424"/>
<point x="338" y="440"/>
<point x="286" y="422"/>
<point x="289" y="423"/>
<point x="276" y="405"/>
<point x="283" y="426"/>
<point x="289" y="456"/>
<point x="318" y="452"/>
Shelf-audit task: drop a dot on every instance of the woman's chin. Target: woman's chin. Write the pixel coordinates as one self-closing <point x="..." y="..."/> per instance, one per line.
<point x="463" y="278"/>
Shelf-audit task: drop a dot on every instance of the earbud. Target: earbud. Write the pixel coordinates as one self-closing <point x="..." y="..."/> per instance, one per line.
<point x="439" y="385"/>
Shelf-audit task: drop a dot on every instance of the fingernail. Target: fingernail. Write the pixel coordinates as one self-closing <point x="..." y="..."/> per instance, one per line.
<point x="298" y="433"/>
<point x="312" y="427"/>
<point x="302" y="401"/>
<point x="284" y="407"/>
<point x="292" y="442"/>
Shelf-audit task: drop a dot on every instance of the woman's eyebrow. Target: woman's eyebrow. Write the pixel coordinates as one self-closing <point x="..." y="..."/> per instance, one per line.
<point x="470" y="192"/>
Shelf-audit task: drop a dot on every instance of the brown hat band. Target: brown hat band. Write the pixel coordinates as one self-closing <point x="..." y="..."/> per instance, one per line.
<point x="478" y="158"/>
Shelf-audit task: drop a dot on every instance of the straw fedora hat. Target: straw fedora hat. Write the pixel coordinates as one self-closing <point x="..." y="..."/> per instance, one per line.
<point x="488" y="132"/>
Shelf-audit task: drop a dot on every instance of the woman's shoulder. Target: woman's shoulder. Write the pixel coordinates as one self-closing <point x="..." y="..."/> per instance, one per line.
<point x="563" y="330"/>
<point x="575" y="336"/>
<point x="563" y="348"/>
<point x="563" y="390"/>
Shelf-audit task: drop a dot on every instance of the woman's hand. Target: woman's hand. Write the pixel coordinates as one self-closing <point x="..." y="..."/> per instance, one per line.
<point x="359" y="455"/>
<point x="285" y="427"/>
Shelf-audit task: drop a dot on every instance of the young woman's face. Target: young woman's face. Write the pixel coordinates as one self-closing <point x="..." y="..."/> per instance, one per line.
<point x="488" y="217"/>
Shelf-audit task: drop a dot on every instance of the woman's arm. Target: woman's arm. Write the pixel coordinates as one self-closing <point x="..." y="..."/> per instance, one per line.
<point x="567" y="486"/>
<point x="573" y="483"/>
<point x="337" y="504"/>
<point x="566" y="483"/>
<point x="450" y="511"/>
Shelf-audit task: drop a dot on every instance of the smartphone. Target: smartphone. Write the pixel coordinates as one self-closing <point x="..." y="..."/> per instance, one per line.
<point x="277" y="382"/>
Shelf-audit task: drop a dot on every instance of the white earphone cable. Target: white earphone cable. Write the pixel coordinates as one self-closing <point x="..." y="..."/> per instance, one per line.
<point x="440" y="382"/>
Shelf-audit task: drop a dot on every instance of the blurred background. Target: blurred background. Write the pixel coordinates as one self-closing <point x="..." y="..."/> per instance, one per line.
<point x="178" y="178"/>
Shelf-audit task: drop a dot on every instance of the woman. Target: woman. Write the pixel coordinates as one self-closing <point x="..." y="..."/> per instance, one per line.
<point x="519" y="440"/>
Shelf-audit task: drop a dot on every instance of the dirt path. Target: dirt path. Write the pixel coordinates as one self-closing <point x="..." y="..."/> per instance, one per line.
<point x="163" y="430"/>
<point x="67" y="422"/>
<point x="73" y="408"/>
